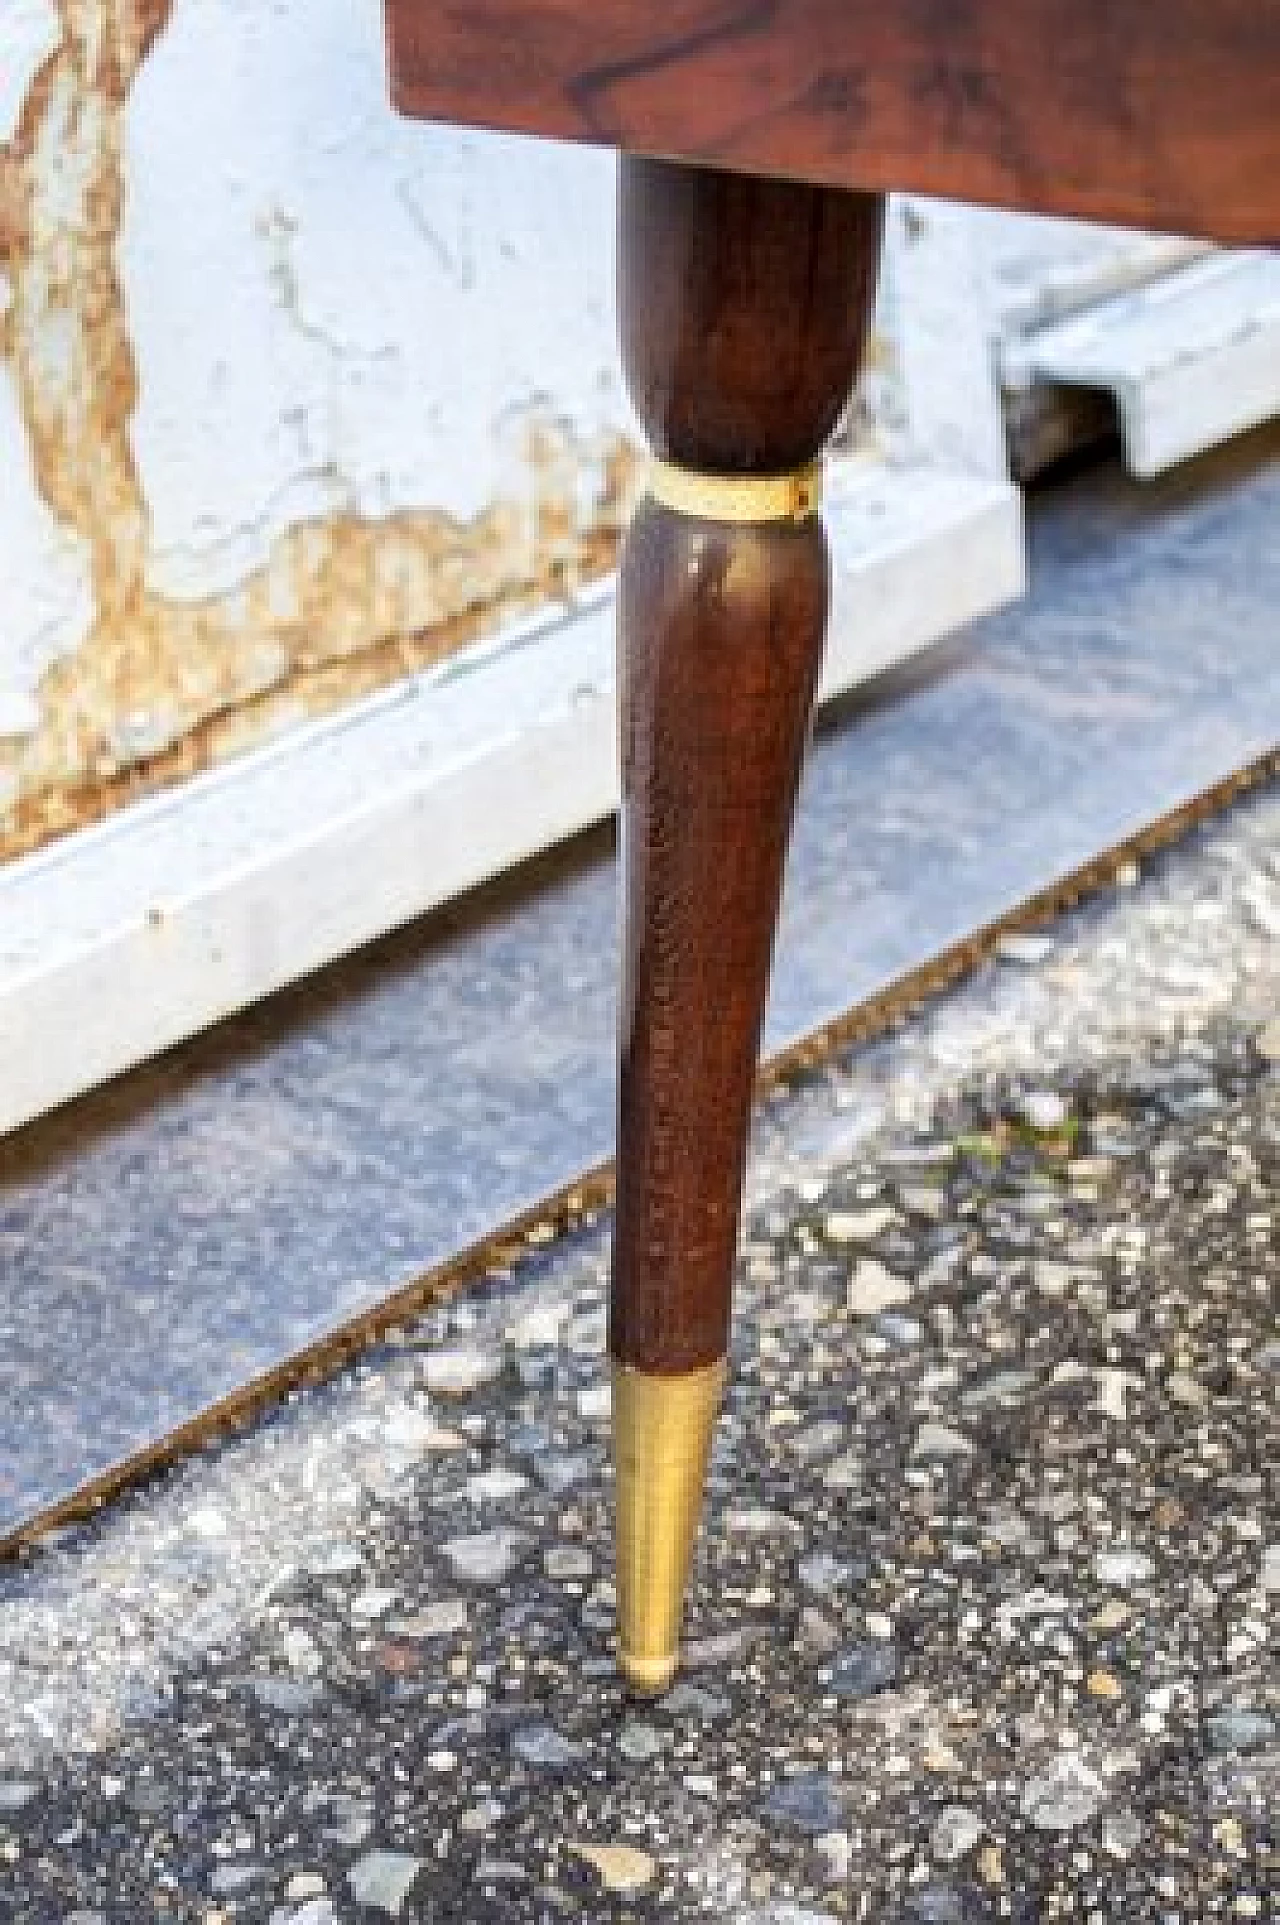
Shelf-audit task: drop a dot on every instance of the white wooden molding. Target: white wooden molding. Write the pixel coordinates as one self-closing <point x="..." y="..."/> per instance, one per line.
<point x="1192" y="358"/>
<point x="137" y="933"/>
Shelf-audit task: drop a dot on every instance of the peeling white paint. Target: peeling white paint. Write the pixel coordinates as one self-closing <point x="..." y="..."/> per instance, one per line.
<point x="28" y="35"/>
<point x="331" y="308"/>
<point x="46" y="598"/>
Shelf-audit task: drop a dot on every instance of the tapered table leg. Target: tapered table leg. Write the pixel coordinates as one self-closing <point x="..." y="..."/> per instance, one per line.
<point x="743" y="308"/>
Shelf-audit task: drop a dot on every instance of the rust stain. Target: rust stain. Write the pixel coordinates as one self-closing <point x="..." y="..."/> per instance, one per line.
<point x="344" y="604"/>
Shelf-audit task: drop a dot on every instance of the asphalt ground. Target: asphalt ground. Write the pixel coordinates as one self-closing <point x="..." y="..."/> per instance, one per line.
<point x="225" y="1209"/>
<point x="983" y="1620"/>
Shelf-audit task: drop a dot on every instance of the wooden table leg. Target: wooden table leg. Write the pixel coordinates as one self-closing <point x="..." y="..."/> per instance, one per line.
<point x="743" y="308"/>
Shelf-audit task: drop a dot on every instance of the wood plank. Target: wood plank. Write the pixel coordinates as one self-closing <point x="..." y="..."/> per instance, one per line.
<point x="1162" y="113"/>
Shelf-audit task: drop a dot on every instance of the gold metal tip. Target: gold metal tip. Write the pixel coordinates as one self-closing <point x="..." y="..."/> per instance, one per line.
<point x="662" y="1430"/>
<point x="648" y="1677"/>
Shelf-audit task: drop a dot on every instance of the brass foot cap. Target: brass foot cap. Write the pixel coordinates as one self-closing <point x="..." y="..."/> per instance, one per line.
<point x="648" y="1677"/>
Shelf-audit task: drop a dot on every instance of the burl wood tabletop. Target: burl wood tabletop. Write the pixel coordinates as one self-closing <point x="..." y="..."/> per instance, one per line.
<point x="1163" y="113"/>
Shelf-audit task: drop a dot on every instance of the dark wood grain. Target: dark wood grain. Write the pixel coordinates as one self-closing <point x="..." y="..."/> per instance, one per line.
<point x="733" y="310"/>
<point x="744" y="306"/>
<point x="1163" y="113"/>
<point x="722" y="634"/>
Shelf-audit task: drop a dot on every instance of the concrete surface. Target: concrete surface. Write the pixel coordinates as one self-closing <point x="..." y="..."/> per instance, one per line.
<point x="194" y="1223"/>
<point x="980" y="1629"/>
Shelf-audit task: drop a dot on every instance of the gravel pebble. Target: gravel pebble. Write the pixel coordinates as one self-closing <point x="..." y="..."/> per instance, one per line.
<point x="485" y="1558"/>
<point x="622" y="1868"/>
<point x="382" y="1880"/>
<point x="460" y="1371"/>
<point x="872" y="1289"/>
<point x="1067" y="1793"/>
<point x="864" y="1669"/>
<point x="543" y="1745"/>
<point x="955" y="1832"/>
<point x="812" y="1802"/>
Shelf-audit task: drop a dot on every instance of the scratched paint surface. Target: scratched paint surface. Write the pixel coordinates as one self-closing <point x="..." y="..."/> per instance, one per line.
<point x="294" y="396"/>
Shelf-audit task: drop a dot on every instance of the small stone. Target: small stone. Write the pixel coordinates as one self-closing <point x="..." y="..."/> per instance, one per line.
<point x="336" y="1559"/>
<point x="1269" y="1577"/>
<point x="304" y="1885"/>
<point x="819" y="1637"/>
<point x="1103" y="1684"/>
<point x="940" y="1440"/>
<point x="563" y="1561"/>
<point x="639" y="1742"/>
<point x="1066" y="1794"/>
<point x="812" y="1802"/>
<point x="446" y="1619"/>
<point x="823" y="1573"/>
<point x="1051" y="1277"/>
<point x="1121" y="1832"/>
<point x="784" y="1911"/>
<point x="955" y="1833"/>
<point x="872" y="1289"/>
<point x="622" y="1868"/>
<point x="903" y="1331"/>
<point x="858" y="1226"/>
<point x="1240" y="1730"/>
<point x="353" y="1820"/>
<point x="460" y="1370"/>
<point x="227" y="1880"/>
<point x="500" y="1871"/>
<point x="543" y="1745"/>
<point x="928" y="1200"/>
<point x="409" y="1432"/>
<point x="382" y="1879"/>
<point x="291" y="1697"/>
<point x="1122" y="1568"/>
<point x="836" y="1850"/>
<point x="559" y="1471"/>
<point x="368" y="1606"/>
<point x="209" y="1522"/>
<point x="936" y="1905"/>
<point x="16" y="1792"/>
<point x="539" y="1327"/>
<point x="991" y="1865"/>
<point x="812" y="1442"/>
<point x="595" y="1403"/>
<point x="481" y="1817"/>
<point x="757" y="1520"/>
<point x="1185" y="1389"/>
<point x="1043" y="1111"/>
<point x="1003" y="1387"/>
<point x="317" y="1911"/>
<point x="485" y="1558"/>
<point x="1268" y="1041"/>
<point x="844" y="1473"/>
<point x="725" y="1647"/>
<point x="693" y="1701"/>
<point x="494" y="1486"/>
<point x="864" y="1669"/>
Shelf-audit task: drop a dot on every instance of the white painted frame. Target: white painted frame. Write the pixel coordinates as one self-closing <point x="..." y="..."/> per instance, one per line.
<point x="145" y="929"/>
